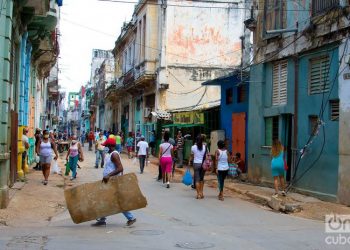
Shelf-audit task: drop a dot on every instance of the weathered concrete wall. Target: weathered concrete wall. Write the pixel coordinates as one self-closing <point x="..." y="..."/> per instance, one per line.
<point x="344" y="127"/>
<point x="204" y="36"/>
<point x="201" y="44"/>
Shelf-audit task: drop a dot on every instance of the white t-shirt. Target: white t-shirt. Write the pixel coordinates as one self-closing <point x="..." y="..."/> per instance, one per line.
<point x="166" y="149"/>
<point x="142" y="147"/>
<point x="25" y="140"/>
<point x="198" y="155"/>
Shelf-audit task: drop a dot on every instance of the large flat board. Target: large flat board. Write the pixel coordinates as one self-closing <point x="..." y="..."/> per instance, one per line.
<point x="90" y="201"/>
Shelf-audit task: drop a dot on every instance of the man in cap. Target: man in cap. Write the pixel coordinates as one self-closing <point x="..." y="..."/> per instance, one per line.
<point x="113" y="166"/>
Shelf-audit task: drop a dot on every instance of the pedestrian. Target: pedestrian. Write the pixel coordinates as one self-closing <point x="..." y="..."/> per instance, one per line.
<point x="99" y="149"/>
<point x="239" y="162"/>
<point x="277" y="166"/>
<point x="82" y="138"/>
<point x="118" y="140"/>
<point x="130" y="144"/>
<point x="25" y="143"/>
<point x="166" y="153"/>
<point x="142" y="152"/>
<point x="180" y="149"/>
<point x="152" y="141"/>
<point x="113" y="166"/>
<point x="222" y="160"/>
<point x="74" y="154"/>
<point x="44" y="150"/>
<point x="37" y="141"/>
<point x="197" y="155"/>
<point x="91" y="140"/>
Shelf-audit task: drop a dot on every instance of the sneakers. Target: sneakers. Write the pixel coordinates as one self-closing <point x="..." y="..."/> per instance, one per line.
<point x="283" y="193"/>
<point x="275" y="195"/>
<point x="130" y="222"/>
<point x="45" y="182"/>
<point x="168" y="185"/>
<point x="99" y="224"/>
<point x="72" y="178"/>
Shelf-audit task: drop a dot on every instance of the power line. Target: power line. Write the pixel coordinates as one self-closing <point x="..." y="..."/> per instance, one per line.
<point x="196" y="6"/>
<point x="160" y="50"/>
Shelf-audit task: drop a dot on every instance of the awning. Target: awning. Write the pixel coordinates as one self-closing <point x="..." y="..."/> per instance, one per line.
<point x="160" y="114"/>
<point x="182" y="125"/>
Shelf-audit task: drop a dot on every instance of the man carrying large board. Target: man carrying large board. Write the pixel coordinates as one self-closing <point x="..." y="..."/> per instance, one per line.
<point x="113" y="166"/>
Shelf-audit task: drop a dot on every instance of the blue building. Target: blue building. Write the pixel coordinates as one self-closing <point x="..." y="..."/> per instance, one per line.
<point x="296" y="96"/>
<point x="234" y="109"/>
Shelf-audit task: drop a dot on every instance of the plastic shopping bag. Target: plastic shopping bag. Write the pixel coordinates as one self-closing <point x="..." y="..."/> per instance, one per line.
<point x="55" y="169"/>
<point x="187" y="178"/>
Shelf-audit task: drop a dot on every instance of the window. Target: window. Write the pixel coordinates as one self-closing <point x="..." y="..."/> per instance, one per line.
<point x="274" y="14"/>
<point x="229" y="96"/>
<point x="319" y="6"/>
<point x="271" y="129"/>
<point x="241" y="93"/>
<point x="319" y="75"/>
<point x="334" y="110"/>
<point x="279" y="83"/>
<point x="313" y="124"/>
<point x="143" y="38"/>
<point x="138" y="104"/>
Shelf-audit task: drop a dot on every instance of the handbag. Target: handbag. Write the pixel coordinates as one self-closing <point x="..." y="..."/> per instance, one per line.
<point x="207" y="161"/>
<point x="232" y="169"/>
<point x="187" y="178"/>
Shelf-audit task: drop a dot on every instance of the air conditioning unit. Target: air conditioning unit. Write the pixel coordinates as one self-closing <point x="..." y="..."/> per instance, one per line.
<point x="147" y="112"/>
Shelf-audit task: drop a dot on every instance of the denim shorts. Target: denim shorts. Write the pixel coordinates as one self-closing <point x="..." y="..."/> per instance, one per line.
<point x="45" y="159"/>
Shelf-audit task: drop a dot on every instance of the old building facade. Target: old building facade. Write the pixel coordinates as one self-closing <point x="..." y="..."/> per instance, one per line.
<point x="299" y="94"/>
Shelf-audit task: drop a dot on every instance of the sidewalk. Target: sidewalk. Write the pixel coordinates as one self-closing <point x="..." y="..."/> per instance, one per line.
<point x="295" y="203"/>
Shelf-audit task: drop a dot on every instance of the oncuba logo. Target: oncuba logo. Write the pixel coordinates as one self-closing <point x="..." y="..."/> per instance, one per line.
<point x="336" y="223"/>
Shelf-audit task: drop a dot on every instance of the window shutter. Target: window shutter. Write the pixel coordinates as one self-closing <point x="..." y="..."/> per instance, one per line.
<point x="319" y="75"/>
<point x="334" y="105"/>
<point x="279" y="83"/>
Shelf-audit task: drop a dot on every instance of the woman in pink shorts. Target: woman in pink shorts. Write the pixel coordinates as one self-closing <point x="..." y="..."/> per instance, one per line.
<point x="166" y="153"/>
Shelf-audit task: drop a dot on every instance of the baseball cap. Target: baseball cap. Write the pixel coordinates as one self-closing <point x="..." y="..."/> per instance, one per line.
<point x="142" y="137"/>
<point x="110" y="142"/>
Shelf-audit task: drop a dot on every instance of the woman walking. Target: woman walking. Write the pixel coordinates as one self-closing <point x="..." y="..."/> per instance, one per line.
<point x="277" y="166"/>
<point x="197" y="155"/>
<point x="44" y="150"/>
<point x="222" y="158"/>
<point x="74" y="154"/>
<point x="166" y="154"/>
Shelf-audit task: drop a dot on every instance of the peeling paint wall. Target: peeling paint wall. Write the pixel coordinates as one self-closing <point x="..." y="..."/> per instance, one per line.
<point x="201" y="44"/>
<point x="344" y="126"/>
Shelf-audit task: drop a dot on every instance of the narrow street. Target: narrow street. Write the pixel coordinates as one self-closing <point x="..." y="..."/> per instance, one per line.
<point x="173" y="219"/>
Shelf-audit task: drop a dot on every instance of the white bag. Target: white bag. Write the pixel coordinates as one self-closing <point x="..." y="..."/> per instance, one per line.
<point x="55" y="168"/>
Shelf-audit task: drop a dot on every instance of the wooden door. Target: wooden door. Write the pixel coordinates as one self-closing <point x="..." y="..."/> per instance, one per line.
<point x="238" y="133"/>
<point x="14" y="147"/>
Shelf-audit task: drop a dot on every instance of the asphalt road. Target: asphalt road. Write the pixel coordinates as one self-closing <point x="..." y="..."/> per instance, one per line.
<point x="173" y="219"/>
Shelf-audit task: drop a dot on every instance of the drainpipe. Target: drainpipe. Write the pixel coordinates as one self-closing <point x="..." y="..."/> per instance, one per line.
<point x="295" y="117"/>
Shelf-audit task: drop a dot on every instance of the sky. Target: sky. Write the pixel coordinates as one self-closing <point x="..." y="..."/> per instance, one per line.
<point x="86" y="25"/>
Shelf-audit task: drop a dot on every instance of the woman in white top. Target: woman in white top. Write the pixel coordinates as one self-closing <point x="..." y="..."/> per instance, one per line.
<point x="222" y="159"/>
<point x="197" y="155"/>
<point x="166" y="154"/>
<point x="44" y="150"/>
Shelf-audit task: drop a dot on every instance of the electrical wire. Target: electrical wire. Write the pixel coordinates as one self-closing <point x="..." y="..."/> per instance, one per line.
<point x="160" y="50"/>
<point x="196" y="6"/>
<point x="294" y="181"/>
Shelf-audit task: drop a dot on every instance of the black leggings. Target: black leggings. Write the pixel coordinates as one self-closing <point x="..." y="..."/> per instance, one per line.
<point x="221" y="179"/>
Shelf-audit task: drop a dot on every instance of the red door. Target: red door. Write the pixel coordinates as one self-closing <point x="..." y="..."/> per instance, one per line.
<point x="238" y="133"/>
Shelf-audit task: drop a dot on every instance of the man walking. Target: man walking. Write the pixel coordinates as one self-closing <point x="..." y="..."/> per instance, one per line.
<point x="142" y="152"/>
<point x="113" y="166"/>
<point x="99" y="149"/>
<point x="91" y="139"/>
<point x="180" y="149"/>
